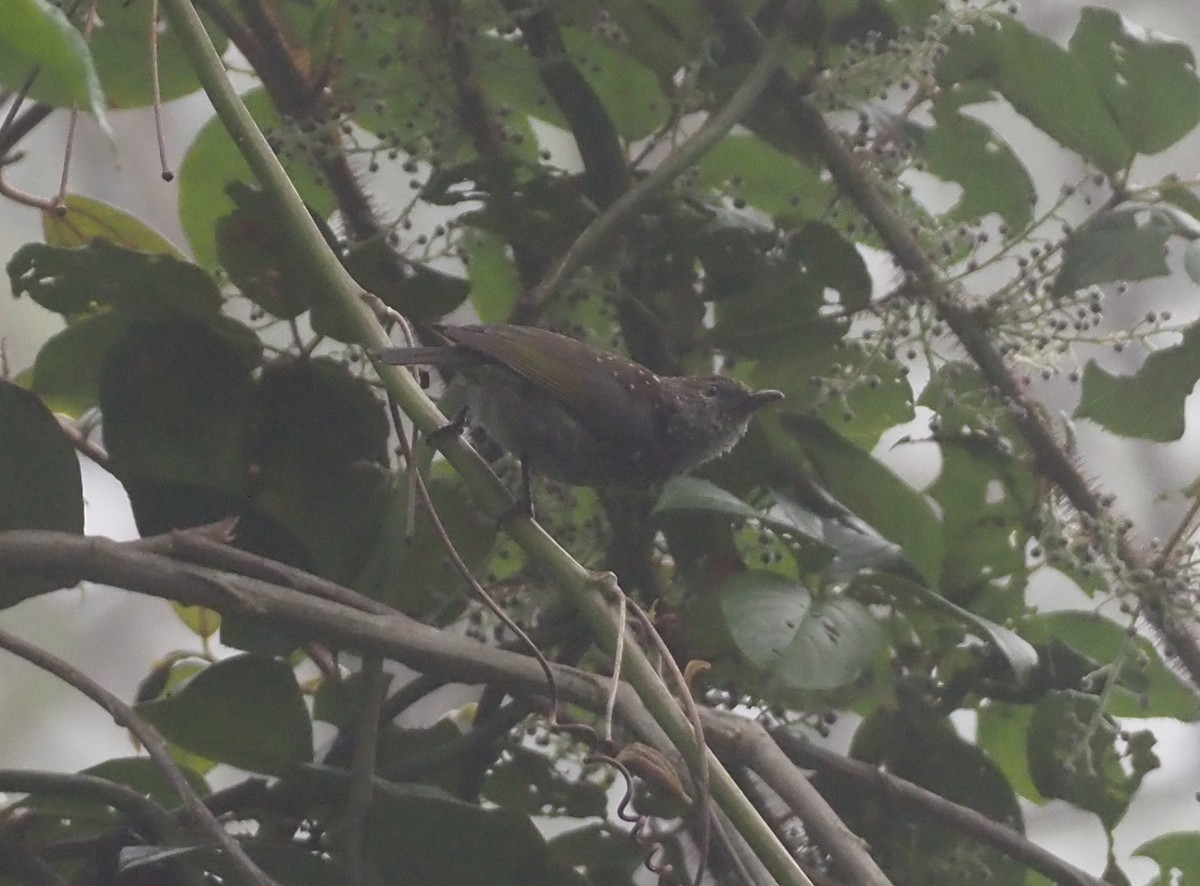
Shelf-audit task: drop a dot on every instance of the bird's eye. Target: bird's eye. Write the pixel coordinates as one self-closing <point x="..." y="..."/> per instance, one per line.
<point x="710" y="390"/>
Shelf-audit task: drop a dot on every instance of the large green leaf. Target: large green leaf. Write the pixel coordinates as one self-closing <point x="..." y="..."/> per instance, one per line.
<point x="1124" y="244"/>
<point x="1147" y="81"/>
<point x="1044" y="82"/>
<point x="175" y="397"/>
<point x="125" y="58"/>
<point x="1177" y="856"/>
<point x="1000" y="733"/>
<point x="630" y="92"/>
<point x="213" y="161"/>
<point x="748" y="169"/>
<point x="1148" y="404"/>
<point x="246" y="711"/>
<point x="141" y="285"/>
<point x="993" y="179"/>
<point x="68" y="367"/>
<point x="919" y="745"/>
<point x="1076" y="754"/>
<point x="35" y="34"/>
<point x="989" y="502"/>
<point x="798" y="641"/>
<point x="437" y="840"/>
<point x="865" y="486"/>
<point x="85" y="219"/>
<point x="1146" y="686"/>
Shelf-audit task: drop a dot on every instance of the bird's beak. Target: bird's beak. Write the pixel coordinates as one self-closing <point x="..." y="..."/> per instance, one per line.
<point x="759" y="399"/>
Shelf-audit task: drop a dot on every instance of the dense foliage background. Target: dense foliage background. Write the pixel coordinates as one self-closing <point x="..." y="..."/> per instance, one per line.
<point x="813" y="196"/>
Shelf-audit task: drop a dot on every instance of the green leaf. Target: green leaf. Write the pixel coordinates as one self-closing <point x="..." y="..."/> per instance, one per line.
<point x="1148" y="404"/>
<point x="40" y="485"/>
<point x="143" y="286"/>
<point x="1073" y="756"/>
<point x="437" y="840"/>
<point x="689" y="493"/>
<point x="174" y="397"/>
<point x="811" y="449"/>
<point x="86" y="220"/>
<point x="1177" y="856"/>
<point x="775" y="311"/>
<point x="1146" y="686"/>
<point x="606" y="857"/>
<point x="747" y="168"/>
<point x="123" y="54"/>
<point x="993" y="179"/>
<point x="848" y="385"/>
<point x="259" y="261"/>
<point x="415" y="290"/>
<point x="67" y="369"/>
<point x="37" y="34"/>
<point x="246" y="711"/>
<point x="1147" y="81"/>
<point x="524" y="780"/>
<point x="989" y="501"/>
<point x="495" y="283"/>
<point x="1022" y="658"/>
<point x="630" y="92"/>
<point x="1042" y="81"/>
<point x="798" y="641"/>
<point x="1001" y="734"/>
<point x="146" y="777"/>
<point x="317" y="446"/>
<point x="918" y="745"/>
<point x="213" y="161"/>
<point x="1124" y="244"/>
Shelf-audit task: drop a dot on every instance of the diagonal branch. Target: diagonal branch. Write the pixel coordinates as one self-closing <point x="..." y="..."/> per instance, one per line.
<point x="969" y="325"/>
<point x="976" y="825"/>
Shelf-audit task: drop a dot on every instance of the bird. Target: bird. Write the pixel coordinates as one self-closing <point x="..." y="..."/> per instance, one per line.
<point x="582" y="415"/>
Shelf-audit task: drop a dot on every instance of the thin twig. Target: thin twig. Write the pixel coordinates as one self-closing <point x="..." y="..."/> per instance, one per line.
<point x="593" y="238"/>
<point x="164" y="168"/>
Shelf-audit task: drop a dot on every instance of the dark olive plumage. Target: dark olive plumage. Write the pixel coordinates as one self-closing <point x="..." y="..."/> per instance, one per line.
<point x="585" y="416"/>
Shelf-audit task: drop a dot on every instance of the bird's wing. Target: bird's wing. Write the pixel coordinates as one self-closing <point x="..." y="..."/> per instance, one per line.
<point x="610" y="395"/>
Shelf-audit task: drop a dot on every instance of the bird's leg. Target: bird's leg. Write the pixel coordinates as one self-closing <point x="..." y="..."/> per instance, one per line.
<point x="522" y="505"/>
<point x="452" y="428"/>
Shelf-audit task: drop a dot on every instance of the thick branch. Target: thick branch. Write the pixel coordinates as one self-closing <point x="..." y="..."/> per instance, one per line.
<point x="746" y="743"/>
<point x="968" y="821"/>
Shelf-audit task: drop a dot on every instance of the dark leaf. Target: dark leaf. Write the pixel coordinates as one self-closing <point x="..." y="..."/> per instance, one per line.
<point x="1124" y="244"/>
<point x="1044" y="82"/>
<point x="1147" y="81"/>
<point x="1148" y="404"/>
<point x="40" y="485"/>
<point x="140" y="285"/>
<point x="1074" y="756"/>
<point x="246" y="711"/>
<point x="799" y="641"/>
